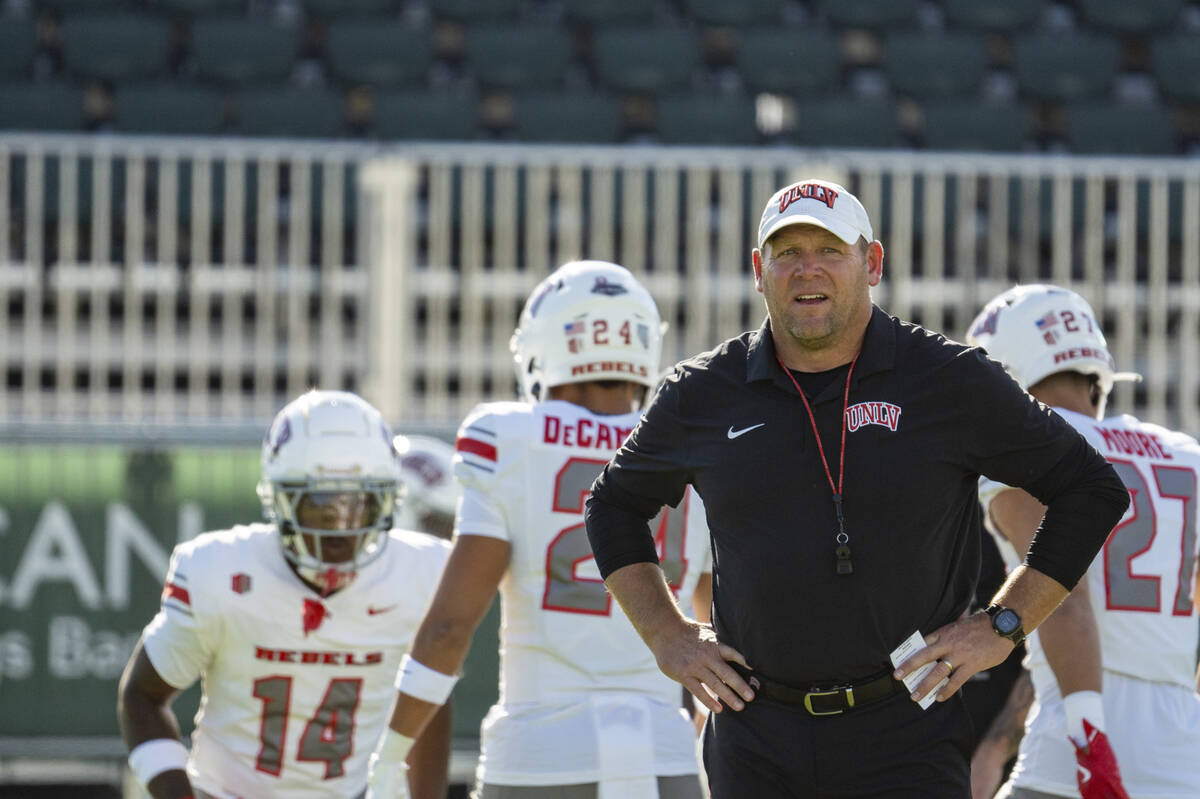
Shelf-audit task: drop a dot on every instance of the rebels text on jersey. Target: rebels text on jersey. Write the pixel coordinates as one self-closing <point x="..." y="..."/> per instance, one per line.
<point x="296" y="687"/>
<point x="526" y="472"/>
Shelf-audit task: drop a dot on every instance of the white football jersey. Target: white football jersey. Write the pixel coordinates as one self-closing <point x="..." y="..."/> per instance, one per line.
<point x="1141" y="585"/>
<point x="296" y="689"/>
<point x="581" y="698"/>
<point x="1141" y="581"/>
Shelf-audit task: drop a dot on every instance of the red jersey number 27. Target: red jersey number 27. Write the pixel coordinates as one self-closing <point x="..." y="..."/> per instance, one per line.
<point x="1126" y="590"/>
<point x="565" y="589"/>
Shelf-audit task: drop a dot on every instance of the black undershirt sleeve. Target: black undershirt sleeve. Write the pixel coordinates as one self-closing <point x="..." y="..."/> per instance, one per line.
<point x="1027" y="445"/>
<point x="618" y="536"/>
<point x="1079" y="519"/>
<point x="648" y="472"/>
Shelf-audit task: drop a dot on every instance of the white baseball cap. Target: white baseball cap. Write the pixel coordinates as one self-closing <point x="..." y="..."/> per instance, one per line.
<point x="816" y="202"/>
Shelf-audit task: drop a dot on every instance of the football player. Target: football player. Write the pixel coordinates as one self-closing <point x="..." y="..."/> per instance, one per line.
<point x="1114" y="669"/>
<point x="431" y="492"/>
<point x="584" y="711"/>
<point x="295" y="627"/>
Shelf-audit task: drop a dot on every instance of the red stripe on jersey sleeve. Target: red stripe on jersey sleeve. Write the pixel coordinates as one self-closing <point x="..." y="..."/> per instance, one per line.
<point x="476" y="447"/>
<point x="172" y="591"/>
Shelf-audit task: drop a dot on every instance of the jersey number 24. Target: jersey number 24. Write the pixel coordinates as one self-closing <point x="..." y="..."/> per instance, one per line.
<point x="565" y="590"/>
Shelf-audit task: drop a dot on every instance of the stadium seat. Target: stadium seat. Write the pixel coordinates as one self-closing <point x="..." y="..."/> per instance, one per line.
<point x="67" y="7"/>
<point x="18" y="43"/>
<point x="473" y="11"/>
<point x="516" y="56"/>
<point x="335" y="9"/>
<point x="1096" y="128"/>
<point x="242" y="50"/>
<point x="40" y="106"/>
<point x="1008" y="16"/>
<point x="785" y="61"/>
<point x="567" y="117"/>
<point x="115" y="47"/>
<point x="877" y="15"/>
<point x="168" y="107"/>
<point x="1130" y="18"/>
<point x="726" y="13"/>
<point x="1065" y="67"/>
<point x="973" y="125"/>
<point x="608" y="12"/>
<point x="192" y="8"/>
<point x="645" y="59"/>
<point x="289" y="112"/>
<point x="425" y="115"/>
<point x="923" y="65"/>
<point x="705" y="119"/>
<point x="837" y="121"/>
<point x="1176" y="64"/>
<point x="376" y="52"/>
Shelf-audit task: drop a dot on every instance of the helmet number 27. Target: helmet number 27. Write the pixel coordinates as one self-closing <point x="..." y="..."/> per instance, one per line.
<point x="565" y="589"/>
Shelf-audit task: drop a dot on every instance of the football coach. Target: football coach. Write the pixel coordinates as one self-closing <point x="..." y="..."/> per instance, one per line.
<point x="837" y="450"/>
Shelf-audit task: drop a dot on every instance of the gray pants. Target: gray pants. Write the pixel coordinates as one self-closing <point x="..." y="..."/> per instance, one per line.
<point x="684" y="787"/>
<point x="1009" y="791"/>
<point x="199" y="794"/>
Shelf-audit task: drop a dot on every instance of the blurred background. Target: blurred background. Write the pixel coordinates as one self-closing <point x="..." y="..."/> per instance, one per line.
<point x="209" y="206"/>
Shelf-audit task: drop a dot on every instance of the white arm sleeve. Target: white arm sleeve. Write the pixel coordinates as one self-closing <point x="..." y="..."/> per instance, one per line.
<point x="989" y="489"/>
<point x="479" y="514"/>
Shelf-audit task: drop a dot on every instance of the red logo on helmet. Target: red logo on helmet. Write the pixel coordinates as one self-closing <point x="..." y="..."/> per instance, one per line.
<point x="240" y="583"/>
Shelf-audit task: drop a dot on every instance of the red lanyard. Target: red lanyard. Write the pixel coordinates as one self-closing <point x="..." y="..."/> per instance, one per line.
<point x="842" y="551"/>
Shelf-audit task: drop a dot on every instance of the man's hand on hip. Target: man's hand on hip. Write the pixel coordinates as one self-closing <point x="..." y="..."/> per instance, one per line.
<point x="692" y="655"/>
<point x="1096" y="767"/>
<point x="958" y="650"/>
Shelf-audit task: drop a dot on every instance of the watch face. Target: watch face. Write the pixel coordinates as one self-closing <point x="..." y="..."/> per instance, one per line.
<point x="1006" y="621"/>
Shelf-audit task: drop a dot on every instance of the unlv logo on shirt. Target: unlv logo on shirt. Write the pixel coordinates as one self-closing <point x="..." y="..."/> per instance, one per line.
<point x="884" y="414"/>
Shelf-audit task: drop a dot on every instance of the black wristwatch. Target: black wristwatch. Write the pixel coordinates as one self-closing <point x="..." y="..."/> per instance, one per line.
<point x="1007" y="623"/>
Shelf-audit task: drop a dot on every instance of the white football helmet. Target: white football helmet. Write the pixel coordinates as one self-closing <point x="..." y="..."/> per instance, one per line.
<point x="329" y="454"/>
<point x="431" y="498"/>
<point x="589" y="320"/>
<point x="1036" y="330"/>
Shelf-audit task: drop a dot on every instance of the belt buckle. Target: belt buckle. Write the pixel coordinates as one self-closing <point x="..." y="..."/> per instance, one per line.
<point x="848" y="690"/>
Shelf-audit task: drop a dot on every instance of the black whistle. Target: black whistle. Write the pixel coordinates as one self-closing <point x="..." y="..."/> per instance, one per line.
<point x="844" y="566"/>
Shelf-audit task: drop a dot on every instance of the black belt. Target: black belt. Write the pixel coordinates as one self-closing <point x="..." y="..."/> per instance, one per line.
<point x="825" y="701"/>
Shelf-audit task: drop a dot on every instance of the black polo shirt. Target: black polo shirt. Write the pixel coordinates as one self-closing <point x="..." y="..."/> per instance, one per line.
<point x="926" y="417"/>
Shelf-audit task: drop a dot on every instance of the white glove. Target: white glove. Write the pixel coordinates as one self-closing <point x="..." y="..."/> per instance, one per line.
<point x="387" y="773"/>
<point x="387" y="779"/>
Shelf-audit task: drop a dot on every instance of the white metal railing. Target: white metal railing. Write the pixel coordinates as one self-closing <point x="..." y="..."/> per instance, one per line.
<point x="221" y="301"/>
<point x="463" y="233"/>
<point x="175" y="279"/>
